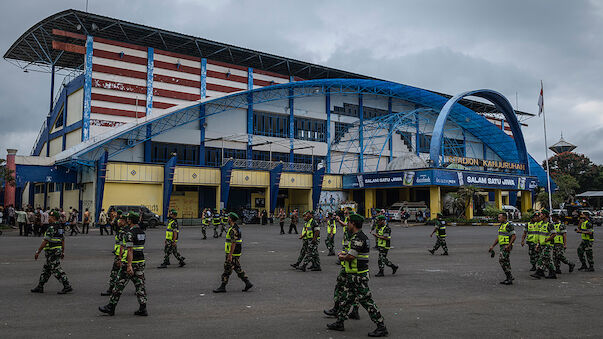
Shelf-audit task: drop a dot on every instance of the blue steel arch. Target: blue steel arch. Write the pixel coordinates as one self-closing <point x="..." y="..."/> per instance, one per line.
<point x="501" y="103"/>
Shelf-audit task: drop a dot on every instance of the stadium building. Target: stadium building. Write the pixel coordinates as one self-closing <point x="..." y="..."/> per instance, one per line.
<point x="150" y="117"/>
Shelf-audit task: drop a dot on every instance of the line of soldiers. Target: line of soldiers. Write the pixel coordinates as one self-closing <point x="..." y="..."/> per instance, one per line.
<point x="219" y="220"/>
<point x="547" y="242"/>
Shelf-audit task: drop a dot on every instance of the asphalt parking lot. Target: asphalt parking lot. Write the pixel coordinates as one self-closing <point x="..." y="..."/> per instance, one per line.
<point x="430" y="296"/>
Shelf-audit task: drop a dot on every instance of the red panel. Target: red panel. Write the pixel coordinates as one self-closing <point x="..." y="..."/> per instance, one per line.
<point x="121" y="44"/>
<point x="220" y="75"/>
<point x="224" y="64"/>
<point x="174" y="67"/>
<point x="177" y="81"/>
<point x="175" y="95"/>
<point x="68" y="34"/>
<point x="115" y="56"/>
<point x="118" y="112"/>
<point x="262" y="82"/>
<point x="63" y="46"/>
<point x="162" y="105"/>
<point x="178" y="55"/>
<point x="119" y="71"/>
<point x="223" y="89"/>
<point x="129" y="101"/>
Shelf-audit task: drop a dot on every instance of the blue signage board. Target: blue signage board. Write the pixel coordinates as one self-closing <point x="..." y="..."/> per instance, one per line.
<point x="439" y="178"/>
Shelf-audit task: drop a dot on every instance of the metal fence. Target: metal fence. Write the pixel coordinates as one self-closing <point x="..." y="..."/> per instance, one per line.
<point x="268" y="165"/>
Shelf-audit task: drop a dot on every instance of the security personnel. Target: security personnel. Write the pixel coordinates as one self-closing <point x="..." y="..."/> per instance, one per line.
<point x="586" y="246"/>
<point x="506" y="238"/>
<point x="440" y="229"/>
<point x="530" y="235"/>
<point x="132" y="267"/>
<point x="118" y="250"/>
<point x="560" y="244"/>
<point x="546" y="235"/>
<point x="205" y="217"/>
<point x="233" y="247"/>
<point x="216" y="221"/>
<point x="331" y="231"/>
<point x="344" y="225"/>
<point x="384" y="236"/>
<point x="171" y="240"/>
<point x="53" y="245"/>
<point x="356" y="262"/>
<point x="224" y="217"/>
<point x="311" y="237"/>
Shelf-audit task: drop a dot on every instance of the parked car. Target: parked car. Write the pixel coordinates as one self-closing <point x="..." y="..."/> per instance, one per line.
<point x="512" y="211"/>
<point x="395" y="210"/>
<point x="147" y="218"/>
<point x="594" y="218"/>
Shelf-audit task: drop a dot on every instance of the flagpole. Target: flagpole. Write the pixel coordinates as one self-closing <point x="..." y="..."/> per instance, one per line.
<point x="546" y="152"/>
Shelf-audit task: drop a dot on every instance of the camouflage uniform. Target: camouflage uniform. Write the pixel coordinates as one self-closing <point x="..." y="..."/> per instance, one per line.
<point x="330" y="238"/>
<point x="532" y="240"/>
<point x="383" y="246"/>
<point x="586" y="246"/>
<point x="303" y="252"/>
<point x="233" y="236"/>
<point x="171" y="243"/>
<point x="53" y="252"/>
<point x="119" y="238"/>
<point x="504" y="256"/>
<point x="133" y="238"/>
<point x="559" y="248"/>
<point x="440" y="227"/>
<point x="356" y="281"/>
<point x="312" y="256"/>
<point x="544" y="259"/>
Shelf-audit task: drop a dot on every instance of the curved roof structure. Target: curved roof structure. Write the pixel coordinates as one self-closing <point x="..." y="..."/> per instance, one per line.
<point x="132" y="134"/>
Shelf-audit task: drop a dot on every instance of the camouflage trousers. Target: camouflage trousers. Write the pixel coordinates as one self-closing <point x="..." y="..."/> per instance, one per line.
<point x="53" y="267"/>
<point x="559" y="256"/>
<point x="330" y="243"/>
<point x="339" y="285"/>
<point x="203" y="231"/>
<point x="440" y="242"/>
<point x="545" y="261"/>
<point x="216" y="226"/>
<point x="383" y="259"/>
<point x="504" y="259"/>
<point x="233" y="265"/>
<point x="356" y="289"/>
<point x="122" y="280"/>
<point x="114" y="273"/>
<point x="586" y="248"/>
<point x="312" y="254"/>
<point x="169" y="249"/>
<point x="533" y="253"/>
<point x="303" y="251"/>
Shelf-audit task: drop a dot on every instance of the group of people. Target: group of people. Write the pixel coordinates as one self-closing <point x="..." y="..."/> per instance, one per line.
<point x="35" y="222"/>
<point x="219" y="221"/>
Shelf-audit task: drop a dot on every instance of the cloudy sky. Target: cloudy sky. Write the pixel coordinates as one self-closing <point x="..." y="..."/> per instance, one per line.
<point x="448" y="46"/>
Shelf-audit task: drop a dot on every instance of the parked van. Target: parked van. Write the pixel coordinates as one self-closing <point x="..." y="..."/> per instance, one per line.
<point x="147" y="218"/>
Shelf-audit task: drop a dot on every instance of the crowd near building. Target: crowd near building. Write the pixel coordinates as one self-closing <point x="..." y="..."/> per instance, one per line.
<point x="166" y="120"/>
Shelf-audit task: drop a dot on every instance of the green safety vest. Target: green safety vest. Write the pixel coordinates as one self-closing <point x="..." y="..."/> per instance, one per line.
<point x="225" y="219"/>
<point x="544" y="233"/>
<point x="228" y="244"/>
<point x="442" y="231"/>
<point x="383" y="243"/>
<point x="216" y="220"/>
<point x="587" y="237"/>
<point x="137" y="246"/>
<point x="504" y="237"/>
<point x="308" y="232"/>
<point x="533" y="230"/>
<point x="205" y="221"/>
<point x="345" y="241"/>
<point x="56" y="240"/>
<point x="117" y="243"/>
<point x="331" y="227"/>
<point x="558" y="239"/>
<point x="359" y="264"/>
<point x="169" y="231"/>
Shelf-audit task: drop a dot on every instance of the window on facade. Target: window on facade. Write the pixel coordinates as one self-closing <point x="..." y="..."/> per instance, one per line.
<point x="424" y="143"/>
<point x="185" y="154"/>
<point x="59" y="121"/>
<point x="270" y="124"/>
<point x="51" y="187"/>
<point x="406" y="138"/>
<point x="235" y="153"/>
<point x="310" y="129"/>
<point x="213" y="156"/>
<point x="277" y="156"/>
<point x="340" y="130"/>
<point x="261" y="155"/>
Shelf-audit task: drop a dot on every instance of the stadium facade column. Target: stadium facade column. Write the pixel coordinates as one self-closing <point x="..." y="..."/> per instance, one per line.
<point x="370" y="200"/>
<point x="202" y="114"/>
<point x="87" y="89"/>
<point x="168" y="184"/>
<point x="498" y="199"/>
<point x="435" y="201"/>
<point x="101" y="175"/>
<point x="360" y="134"/>
<point x="291" y="122"/>
<point x="417" y="135"/>
<point x="10" y="190"/>
<point x="149" y="105"/>
<point x="526" y="201"/>
<point x="513" y="198"/>
<point x="48" y="122"/>
<point x="469" y="209"/>
<point x="249" y="114"/>
<point x="328" y="112"/>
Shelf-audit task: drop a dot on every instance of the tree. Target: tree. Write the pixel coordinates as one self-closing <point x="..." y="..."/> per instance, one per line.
<point x="460" y="200"/>
<point x="578" y="166"/>
<point x="6" y="175"/>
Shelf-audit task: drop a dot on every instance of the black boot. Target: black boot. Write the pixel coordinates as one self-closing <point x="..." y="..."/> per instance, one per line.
<point x="380" y="274"/>
<point x="431" y="251"/>
<point x="38" y="289"/>
<point x="66" y="289"/>
<point x="164" y="265"/>
<point x="109" y="309"/>
<point x="336" y="326"/>
<point x="106" y="293"/>
<point x="590" y="269"/>
<point x="551" y="275"/>
<point x="380" y="331"/>
<point x="538" y="274"/>
<point x="508" y="281"/>
<point x="557" y="271"/>
<point x="354" y="314"/>
<point x="533" y="268"/>
<point x="142" y="310"/>
<point x="316" y="269"/>
<point x="295" y="265"/>
<point x="445" y="253"/>
<point x="583" y="267"/>
<point x="331" y="313"/>
<point x="221" y="289"/>
<point x="248" y="285"/>
<point x="301" y="268"/>
<point x="181" y="264"/>
<point x="394" y="269"/>
<point x="571" y="267"/>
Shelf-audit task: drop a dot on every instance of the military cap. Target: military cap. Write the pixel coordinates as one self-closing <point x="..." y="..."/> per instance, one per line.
<point x="55" y="214"/>
<point x="356" y="217"/>
<point x="133" y="216"/>
<point x="174" y="212"/>
<point x="233" y="216"/>
<point x="310" y="212"/>
<point x="545" y="211"/>
<point x="381" y="217"/>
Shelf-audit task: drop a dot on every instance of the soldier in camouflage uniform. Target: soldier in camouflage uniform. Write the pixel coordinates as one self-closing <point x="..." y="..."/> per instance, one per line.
<point x="331" y="231"/>
<point x="205" y="219"/>
<point x="586" y="246"/>
<point x="118" y="250"/>
<point x="545" y="248"/>
<point x="506" y="238"/>
<point x="559" y="246"/>
<point x="356" y="263"/>
<point x="132" y="268"/>
<point x="53" y="245"/>
<point x="233" y="248"/>
<point x="171" y="241"/>
<point x="440" y="229"/>
<point x="383" y="234"/>
<point x="530" y="234"/>
<point x="311" y="237"/>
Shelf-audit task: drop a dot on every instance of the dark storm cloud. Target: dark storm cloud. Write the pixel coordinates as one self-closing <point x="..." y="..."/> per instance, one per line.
<point x="449" y="46"/>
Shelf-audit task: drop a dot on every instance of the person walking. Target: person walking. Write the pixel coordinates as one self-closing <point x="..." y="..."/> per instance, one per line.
<point x="506" y="238"/>
<point x="119" y="250"/>
<point x="545" y="260"/>
<point x="585" y="250"/>
<point x="560" y="245"/>
<point x="22" y="221"/>
<point x="311" y="237"/>
<point x="233" y="248"/>
<point x="102" y="222"/>
<point x="31" y="219"/>
<point x="440" y="231"/>
<point x="171" y="240"/>
<point x="331" y="231"/>
<point x="294" y="219"/>
<point x="281" y="219"/>
<point x="530" y="236"/>
<point x="383" y="235"/>
<point x="73" y="220"/>
<point x="86" y="222"/>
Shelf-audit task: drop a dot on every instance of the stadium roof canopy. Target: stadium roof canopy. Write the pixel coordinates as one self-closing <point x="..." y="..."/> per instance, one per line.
<point x="34" y="50"/>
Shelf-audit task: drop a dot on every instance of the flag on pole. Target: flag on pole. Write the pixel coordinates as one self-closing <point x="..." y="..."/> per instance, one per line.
<point x="541" y="100"/>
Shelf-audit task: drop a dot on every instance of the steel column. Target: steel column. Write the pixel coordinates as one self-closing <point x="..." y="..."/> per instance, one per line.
<point x="391" y="127"/>
<point x="328" y="131"/>
<point x="249" y="114"/>
<point x="291" y="122"/>
<point x="87" y="89"/>
<point x="360" y="134"/>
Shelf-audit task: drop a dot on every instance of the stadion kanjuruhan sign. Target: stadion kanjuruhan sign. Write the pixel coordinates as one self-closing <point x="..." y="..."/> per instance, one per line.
<point x="485" y="163"/>
<point x="440" y="178"/>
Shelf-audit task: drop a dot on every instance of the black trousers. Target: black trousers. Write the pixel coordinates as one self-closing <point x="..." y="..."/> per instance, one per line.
<point x="282" y="224"/>
<point x="292" y="227"/>
<point x="22" y="228"/>
<point x="103" y="227"/>
<point x="85" y="228"/>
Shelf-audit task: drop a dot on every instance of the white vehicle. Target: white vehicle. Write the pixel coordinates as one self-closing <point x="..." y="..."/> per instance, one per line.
<point x="395" y="210"/>
<point x="512" y="211"/>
